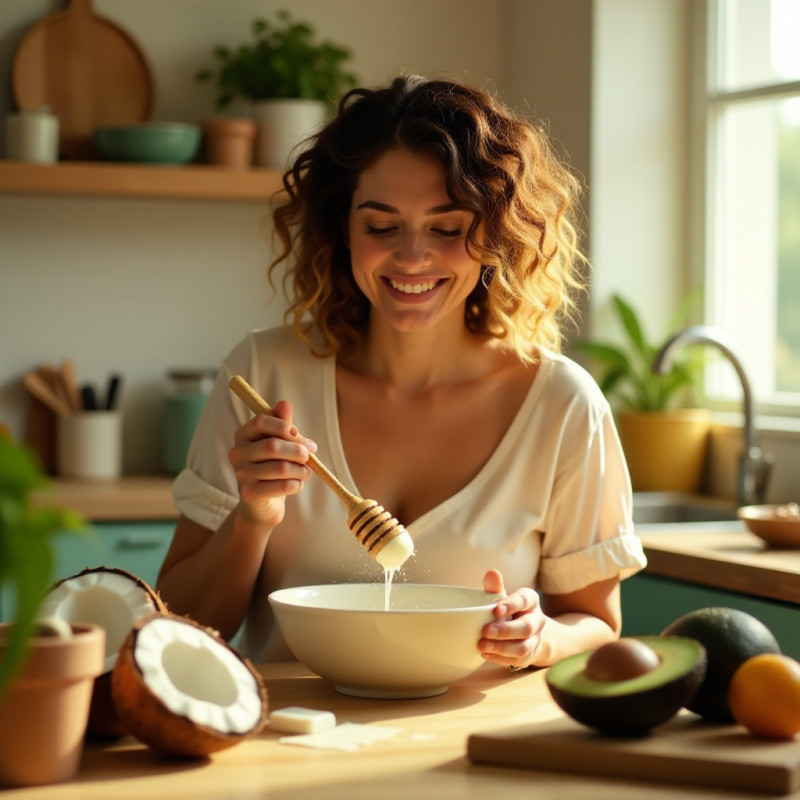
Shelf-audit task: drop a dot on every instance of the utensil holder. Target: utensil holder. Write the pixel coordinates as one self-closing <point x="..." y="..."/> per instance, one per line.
<point x="90" y="445"/>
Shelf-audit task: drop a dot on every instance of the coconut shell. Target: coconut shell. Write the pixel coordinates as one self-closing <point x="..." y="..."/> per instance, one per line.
<point x="104" y="722"/>
<point x="145" y="716"/>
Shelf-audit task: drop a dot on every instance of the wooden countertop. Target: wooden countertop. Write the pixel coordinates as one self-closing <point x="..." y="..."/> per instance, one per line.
<point x="133" y="497"/>
<point x="426" y="759"/>
<point x="729" y="557"/>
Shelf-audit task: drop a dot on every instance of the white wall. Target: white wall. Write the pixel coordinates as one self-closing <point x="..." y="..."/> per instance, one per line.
<point x="639" y="157"/>
<point x="549" y="52"/>
<point x="141" y="286"/>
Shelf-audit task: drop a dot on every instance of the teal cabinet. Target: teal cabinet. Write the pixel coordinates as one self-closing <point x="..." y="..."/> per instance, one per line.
<point x="137" y="547"/>
<point x="650" y="603"/>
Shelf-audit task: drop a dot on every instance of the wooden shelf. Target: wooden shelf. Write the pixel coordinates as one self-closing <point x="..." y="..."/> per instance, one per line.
<point x="133" y="497"/>
<point x="104" y="179"/>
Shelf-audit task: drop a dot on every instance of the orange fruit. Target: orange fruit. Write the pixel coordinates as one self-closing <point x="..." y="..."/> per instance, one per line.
<point x="764" y="695"/>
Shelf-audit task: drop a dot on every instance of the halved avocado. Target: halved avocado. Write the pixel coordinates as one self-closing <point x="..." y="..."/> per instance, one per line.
<point x="631" y="706"/>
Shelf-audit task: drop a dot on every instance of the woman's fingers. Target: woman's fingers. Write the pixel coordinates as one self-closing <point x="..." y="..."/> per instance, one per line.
<point x="512" y="639"/>
<point x="517" y="603"/>
<point x="493" y="582"/>
<point x="269" y="458"/>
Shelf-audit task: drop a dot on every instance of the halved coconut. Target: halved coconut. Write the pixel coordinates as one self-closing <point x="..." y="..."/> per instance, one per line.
<point x="182" y="690"/>
<point x="113" y="599"/>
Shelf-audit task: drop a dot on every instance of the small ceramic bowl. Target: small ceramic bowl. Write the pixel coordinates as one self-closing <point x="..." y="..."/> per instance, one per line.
<point x="426" y="641"/>
<point x="150" y="142"/>
<point x="778" y="525"/>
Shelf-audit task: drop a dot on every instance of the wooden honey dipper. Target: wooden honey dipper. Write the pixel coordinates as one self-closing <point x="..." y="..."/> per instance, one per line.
<point x="384" y="538"/>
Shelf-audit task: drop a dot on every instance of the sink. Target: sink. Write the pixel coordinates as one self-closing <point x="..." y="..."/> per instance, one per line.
<point x="677" y="508"/>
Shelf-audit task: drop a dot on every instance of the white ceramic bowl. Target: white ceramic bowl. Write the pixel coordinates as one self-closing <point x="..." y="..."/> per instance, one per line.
<point x="427" y="640"/>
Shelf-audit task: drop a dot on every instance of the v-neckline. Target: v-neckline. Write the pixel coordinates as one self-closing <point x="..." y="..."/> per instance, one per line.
<point x="341" y="468"/>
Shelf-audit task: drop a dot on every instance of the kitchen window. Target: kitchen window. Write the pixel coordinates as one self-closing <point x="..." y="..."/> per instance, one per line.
<point x="751" y="230"/>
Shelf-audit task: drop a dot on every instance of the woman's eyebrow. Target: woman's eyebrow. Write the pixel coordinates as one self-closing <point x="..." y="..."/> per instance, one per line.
<point x="374" y="204"/>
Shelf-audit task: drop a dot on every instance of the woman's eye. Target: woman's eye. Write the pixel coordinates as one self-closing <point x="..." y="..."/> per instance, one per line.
<point x="376" y="230"/>
<point x="450" y="234"/>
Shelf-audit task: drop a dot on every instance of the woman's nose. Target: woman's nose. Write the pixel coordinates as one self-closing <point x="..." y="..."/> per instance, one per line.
<point x="411" y="250"/>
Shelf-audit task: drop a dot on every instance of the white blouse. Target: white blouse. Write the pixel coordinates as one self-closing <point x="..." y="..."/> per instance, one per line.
<point x="550" y="509"/>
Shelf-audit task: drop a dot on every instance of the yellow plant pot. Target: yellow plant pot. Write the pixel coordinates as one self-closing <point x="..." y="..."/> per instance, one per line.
<point x="666" y="450"/>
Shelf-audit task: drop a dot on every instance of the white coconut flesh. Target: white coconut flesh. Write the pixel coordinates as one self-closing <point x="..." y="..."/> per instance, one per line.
<point x="100" y="597"/>
<point x="197" y="677"/>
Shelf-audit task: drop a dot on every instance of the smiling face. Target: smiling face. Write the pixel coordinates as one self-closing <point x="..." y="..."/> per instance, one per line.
<point x="408" y="242"/>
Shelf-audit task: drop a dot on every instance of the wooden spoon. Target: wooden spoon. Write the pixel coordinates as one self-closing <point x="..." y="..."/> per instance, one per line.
<point x="371" y="524"/>
<point x="70" y="384"/>
<point x="37" y="386"/>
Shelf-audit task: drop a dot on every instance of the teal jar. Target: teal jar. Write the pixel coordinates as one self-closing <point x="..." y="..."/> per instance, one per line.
<point x="183" y="405"/>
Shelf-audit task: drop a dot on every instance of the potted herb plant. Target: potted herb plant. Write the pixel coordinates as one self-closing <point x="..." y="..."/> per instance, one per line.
<point x="664" y="439"/>
<point x="46" y="671"/>
<point x="289" y="76"/>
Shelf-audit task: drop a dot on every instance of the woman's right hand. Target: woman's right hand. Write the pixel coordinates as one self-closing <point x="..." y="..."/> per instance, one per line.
<point x="269" y="460"/>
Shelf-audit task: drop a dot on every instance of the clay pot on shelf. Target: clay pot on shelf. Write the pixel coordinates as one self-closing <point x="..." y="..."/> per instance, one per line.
<point x="228" y="141"/>
<point x="45" y="709"/>
<point x="283" y="125"/>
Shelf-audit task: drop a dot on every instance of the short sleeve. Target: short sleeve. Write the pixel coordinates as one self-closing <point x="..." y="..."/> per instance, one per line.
<point x="588" y="532"/>
<point x="205" y="491"/>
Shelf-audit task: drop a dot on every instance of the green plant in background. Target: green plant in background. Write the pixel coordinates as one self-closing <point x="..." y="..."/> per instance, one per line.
<point x="627" y="376"/>
<point x="26" y="549"/>
<point x="283" y="60"/>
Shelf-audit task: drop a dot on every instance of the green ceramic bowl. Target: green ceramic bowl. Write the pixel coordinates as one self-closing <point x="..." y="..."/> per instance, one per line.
<point x="150" y="142"/>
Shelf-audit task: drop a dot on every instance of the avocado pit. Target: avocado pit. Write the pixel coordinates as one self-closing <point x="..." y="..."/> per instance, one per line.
<point x="621" y="660"/>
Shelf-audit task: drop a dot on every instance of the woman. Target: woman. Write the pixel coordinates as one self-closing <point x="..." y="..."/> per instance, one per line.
<point x="432" y="260"/>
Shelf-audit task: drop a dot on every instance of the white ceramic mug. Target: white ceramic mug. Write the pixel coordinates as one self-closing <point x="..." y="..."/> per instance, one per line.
<point x="90" y="445"/>
<point x="32" y="136"/>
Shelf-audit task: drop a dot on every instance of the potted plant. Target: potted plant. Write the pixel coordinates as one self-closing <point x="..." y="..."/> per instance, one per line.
<point x="664" y="439"/>
<point x="46" y="675"/>
<point x="290" y="77"/>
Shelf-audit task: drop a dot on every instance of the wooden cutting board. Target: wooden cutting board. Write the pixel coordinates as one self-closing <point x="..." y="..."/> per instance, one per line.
<point x="87" y="69"/>
<point x="685" y="750"/>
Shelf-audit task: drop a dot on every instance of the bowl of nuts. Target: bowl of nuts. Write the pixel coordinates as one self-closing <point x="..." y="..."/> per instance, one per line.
<point x="777" y="525"/>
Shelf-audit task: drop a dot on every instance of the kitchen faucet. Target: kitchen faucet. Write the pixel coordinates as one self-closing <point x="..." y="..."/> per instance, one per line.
<point x="754" y="465"/>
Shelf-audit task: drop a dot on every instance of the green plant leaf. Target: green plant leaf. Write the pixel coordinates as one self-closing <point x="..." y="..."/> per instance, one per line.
<point x="608" y="354"/>
<point x="283" y="59"/>
<point x="626" y="375"/>
<point x="26" y="555"/>
<point x="630" y="323"/>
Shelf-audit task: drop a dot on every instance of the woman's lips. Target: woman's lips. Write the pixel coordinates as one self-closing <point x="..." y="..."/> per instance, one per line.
<point x="412" y="289"/>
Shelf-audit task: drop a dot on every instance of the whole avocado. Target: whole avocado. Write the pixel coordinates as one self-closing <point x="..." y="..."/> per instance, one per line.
<point x="730" y="637"/>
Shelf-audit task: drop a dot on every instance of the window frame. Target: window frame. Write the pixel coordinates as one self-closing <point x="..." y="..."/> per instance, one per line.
<point x="707" y="104"/>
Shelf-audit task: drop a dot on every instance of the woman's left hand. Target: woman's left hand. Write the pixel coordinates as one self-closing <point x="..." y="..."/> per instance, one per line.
<point x="513" y="638"/>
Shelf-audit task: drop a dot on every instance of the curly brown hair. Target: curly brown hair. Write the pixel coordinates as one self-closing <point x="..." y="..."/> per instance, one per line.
<point x="497" y="165"/>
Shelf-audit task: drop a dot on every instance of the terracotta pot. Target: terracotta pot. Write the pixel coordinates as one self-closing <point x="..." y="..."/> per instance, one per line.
<point x="666" y="450"/>
<point x="43" y="713"/>
<point x="282" y="125"/>
<point x="228" y="141"/>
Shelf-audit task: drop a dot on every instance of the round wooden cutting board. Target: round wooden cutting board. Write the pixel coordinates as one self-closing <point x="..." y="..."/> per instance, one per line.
<point x="87" y="70"/>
